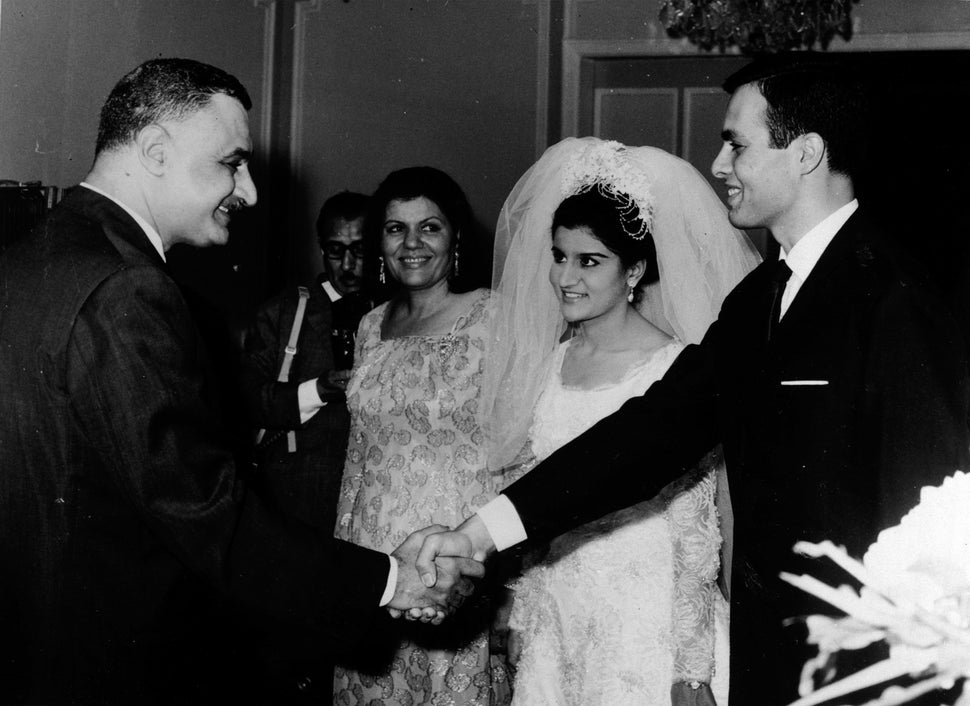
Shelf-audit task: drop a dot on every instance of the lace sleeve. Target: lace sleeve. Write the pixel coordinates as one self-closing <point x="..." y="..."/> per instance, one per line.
<point x="696" y="544"/>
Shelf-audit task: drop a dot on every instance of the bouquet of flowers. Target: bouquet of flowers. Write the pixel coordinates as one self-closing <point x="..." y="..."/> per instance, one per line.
<point x="914" y="596"/>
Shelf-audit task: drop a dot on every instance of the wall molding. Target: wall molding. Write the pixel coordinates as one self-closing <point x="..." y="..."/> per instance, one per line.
<point x="543" y="54"/>
<point x="269" y="70"/>
<point x="303" y="10"/>
<point x="574" y="51"/>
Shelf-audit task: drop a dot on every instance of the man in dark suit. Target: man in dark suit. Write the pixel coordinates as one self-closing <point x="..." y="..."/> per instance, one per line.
<point x="836" y="394"/>
<point x="303" y="420"/>
<point x="122" y="509"/>
<point x="305" y="417"/>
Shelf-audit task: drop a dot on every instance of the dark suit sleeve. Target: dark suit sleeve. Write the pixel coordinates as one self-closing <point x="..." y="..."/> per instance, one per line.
<point x="916" y="395"/>
<point x="630" y="455"/>
<point x="136" y="386"/>
<point x="270" y="403"/>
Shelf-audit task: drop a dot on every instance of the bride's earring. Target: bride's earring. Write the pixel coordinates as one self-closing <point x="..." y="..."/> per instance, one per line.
<point x="631" y="286"/>
<point x="380" y="275"/>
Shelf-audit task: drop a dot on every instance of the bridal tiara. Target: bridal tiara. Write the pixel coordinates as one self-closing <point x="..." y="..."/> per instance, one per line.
<point x="604" y="167"/>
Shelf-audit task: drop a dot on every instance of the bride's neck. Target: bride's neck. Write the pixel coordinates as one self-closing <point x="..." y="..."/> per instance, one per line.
<point x="609" y="332"/>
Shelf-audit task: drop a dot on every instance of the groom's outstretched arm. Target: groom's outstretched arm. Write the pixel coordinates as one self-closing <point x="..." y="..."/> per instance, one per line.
<point x="624" y="459"/>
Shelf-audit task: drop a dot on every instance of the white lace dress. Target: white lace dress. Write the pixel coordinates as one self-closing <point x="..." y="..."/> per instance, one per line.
<point x="617" y="610"/>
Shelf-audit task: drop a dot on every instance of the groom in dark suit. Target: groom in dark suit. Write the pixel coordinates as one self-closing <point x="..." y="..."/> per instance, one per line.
<point x="834" y="378"/>
<point x="122" y="512"/>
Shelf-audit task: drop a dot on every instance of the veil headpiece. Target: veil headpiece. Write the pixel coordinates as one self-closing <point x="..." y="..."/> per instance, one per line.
<point x="602" y="166"/>
<point x="700" y="258"/>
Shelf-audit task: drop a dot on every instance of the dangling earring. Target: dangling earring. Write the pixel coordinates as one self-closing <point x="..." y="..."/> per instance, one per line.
<point x="380" y="276"/>
<point x="455" y="270"/>
<point x="632" y="287"/>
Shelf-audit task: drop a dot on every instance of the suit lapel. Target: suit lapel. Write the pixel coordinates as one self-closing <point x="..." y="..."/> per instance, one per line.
<point x="119" y="227"/>
<point x="817" y="289"/>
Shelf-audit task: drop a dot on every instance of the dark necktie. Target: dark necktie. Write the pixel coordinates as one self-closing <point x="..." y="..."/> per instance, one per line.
<point x="779" y="278"/>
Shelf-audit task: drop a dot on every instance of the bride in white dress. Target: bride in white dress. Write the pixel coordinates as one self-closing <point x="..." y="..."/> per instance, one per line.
<point x="612" y="259"/>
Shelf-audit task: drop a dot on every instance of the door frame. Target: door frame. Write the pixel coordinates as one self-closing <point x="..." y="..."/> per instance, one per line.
<point x="575" y="51"/>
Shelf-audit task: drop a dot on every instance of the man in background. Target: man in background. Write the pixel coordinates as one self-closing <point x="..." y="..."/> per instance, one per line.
<point x="308" y="334"/>
<point x="304" y="418"/>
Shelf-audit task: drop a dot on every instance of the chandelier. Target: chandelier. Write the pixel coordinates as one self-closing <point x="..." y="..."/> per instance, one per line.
<point x="756" y="26"/>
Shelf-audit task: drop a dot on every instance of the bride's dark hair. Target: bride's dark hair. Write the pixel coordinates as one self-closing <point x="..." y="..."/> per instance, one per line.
<point x="599" y="213"/>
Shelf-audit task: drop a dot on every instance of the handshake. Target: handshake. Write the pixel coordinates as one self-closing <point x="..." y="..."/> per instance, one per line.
<point x="436" y="568"/>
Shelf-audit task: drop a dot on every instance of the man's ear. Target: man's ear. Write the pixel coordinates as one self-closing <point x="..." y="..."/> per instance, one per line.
<point x="812" y="152"/>
<point x="152" y="144"/>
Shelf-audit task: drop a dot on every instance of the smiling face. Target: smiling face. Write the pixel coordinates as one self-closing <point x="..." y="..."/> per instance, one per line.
<point x="761" y="180"/>
<point x="588" y="279"/>
<point x="417" y="243"/>
<point x="206" y="174"/>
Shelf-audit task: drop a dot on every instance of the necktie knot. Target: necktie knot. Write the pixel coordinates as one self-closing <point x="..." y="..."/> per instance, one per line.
<point x="779" y="278"/>
<point x="781" y="275"/>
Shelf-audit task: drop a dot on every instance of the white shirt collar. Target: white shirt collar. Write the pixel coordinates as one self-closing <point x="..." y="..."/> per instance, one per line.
<point x="153" y="237"/>
<point x="806" y="252"/>
<point x="331" y="291"/>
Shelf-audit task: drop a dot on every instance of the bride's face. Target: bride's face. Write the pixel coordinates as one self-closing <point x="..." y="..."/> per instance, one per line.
<point x="588" y="279"/>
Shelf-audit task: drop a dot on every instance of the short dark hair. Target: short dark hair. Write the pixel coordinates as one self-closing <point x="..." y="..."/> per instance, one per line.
<point x="436" y="186"/>
<point x="601" y="215"/>
<point x="808" y="92"/>
<point x="346" y="206"/>
<point x="161" y="89"/>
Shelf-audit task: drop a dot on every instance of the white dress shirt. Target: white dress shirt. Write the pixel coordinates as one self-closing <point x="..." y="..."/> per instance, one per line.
<point x="808" y="250"/>
<point x="500" y="516"/>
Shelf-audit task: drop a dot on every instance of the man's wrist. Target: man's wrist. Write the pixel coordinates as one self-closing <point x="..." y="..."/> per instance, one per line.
<point x="391" y="585"/>
<point x="496" y="525"/>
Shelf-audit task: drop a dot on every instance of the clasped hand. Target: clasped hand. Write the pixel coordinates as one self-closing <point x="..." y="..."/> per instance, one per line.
<point x="441" y="562"/>
<point x="442" y="582"/>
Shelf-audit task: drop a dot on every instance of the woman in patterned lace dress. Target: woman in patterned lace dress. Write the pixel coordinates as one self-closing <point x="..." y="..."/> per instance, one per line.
<point x="416" y="450"/>
<point x="624" y="610"/>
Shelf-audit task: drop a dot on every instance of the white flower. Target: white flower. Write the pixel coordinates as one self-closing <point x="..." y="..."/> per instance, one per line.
<point x="925" y="560"/>
<point x="915" y="596"/>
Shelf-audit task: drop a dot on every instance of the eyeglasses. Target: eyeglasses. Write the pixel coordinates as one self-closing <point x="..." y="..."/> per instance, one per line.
<point x="334" y="250"/>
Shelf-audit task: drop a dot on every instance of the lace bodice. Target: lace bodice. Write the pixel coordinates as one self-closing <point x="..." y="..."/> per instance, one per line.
<point x="621" y="607"/>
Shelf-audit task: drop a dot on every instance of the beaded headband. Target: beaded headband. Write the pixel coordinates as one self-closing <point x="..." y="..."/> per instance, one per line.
<point x="604" y="167"/>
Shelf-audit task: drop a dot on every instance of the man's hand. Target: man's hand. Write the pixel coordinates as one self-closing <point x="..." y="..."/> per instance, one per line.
<point x="469" y="539"/>
<point x="332" y="387"/>
<point x="450" y="581"/>
<point x="338" y="379"/>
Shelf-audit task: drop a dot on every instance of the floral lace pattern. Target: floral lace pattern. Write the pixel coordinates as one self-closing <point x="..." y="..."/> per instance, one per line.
<point x="617" y="610"/>
<point x="415" y="458"/>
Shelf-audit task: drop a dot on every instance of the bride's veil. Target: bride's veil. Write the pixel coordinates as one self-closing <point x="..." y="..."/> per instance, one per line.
<point x="701" y="257"/>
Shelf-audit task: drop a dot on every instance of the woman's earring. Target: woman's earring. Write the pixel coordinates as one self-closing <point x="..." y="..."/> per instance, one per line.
<point x="380" y="276"/>
<point x="629" y="295"/>
<point x="455" y="271"/>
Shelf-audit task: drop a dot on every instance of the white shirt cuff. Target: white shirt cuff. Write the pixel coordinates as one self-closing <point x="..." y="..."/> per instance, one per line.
<point x="391" y="583"/>
<point x="502" y="522"/>
<point x="309" y="399"/>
